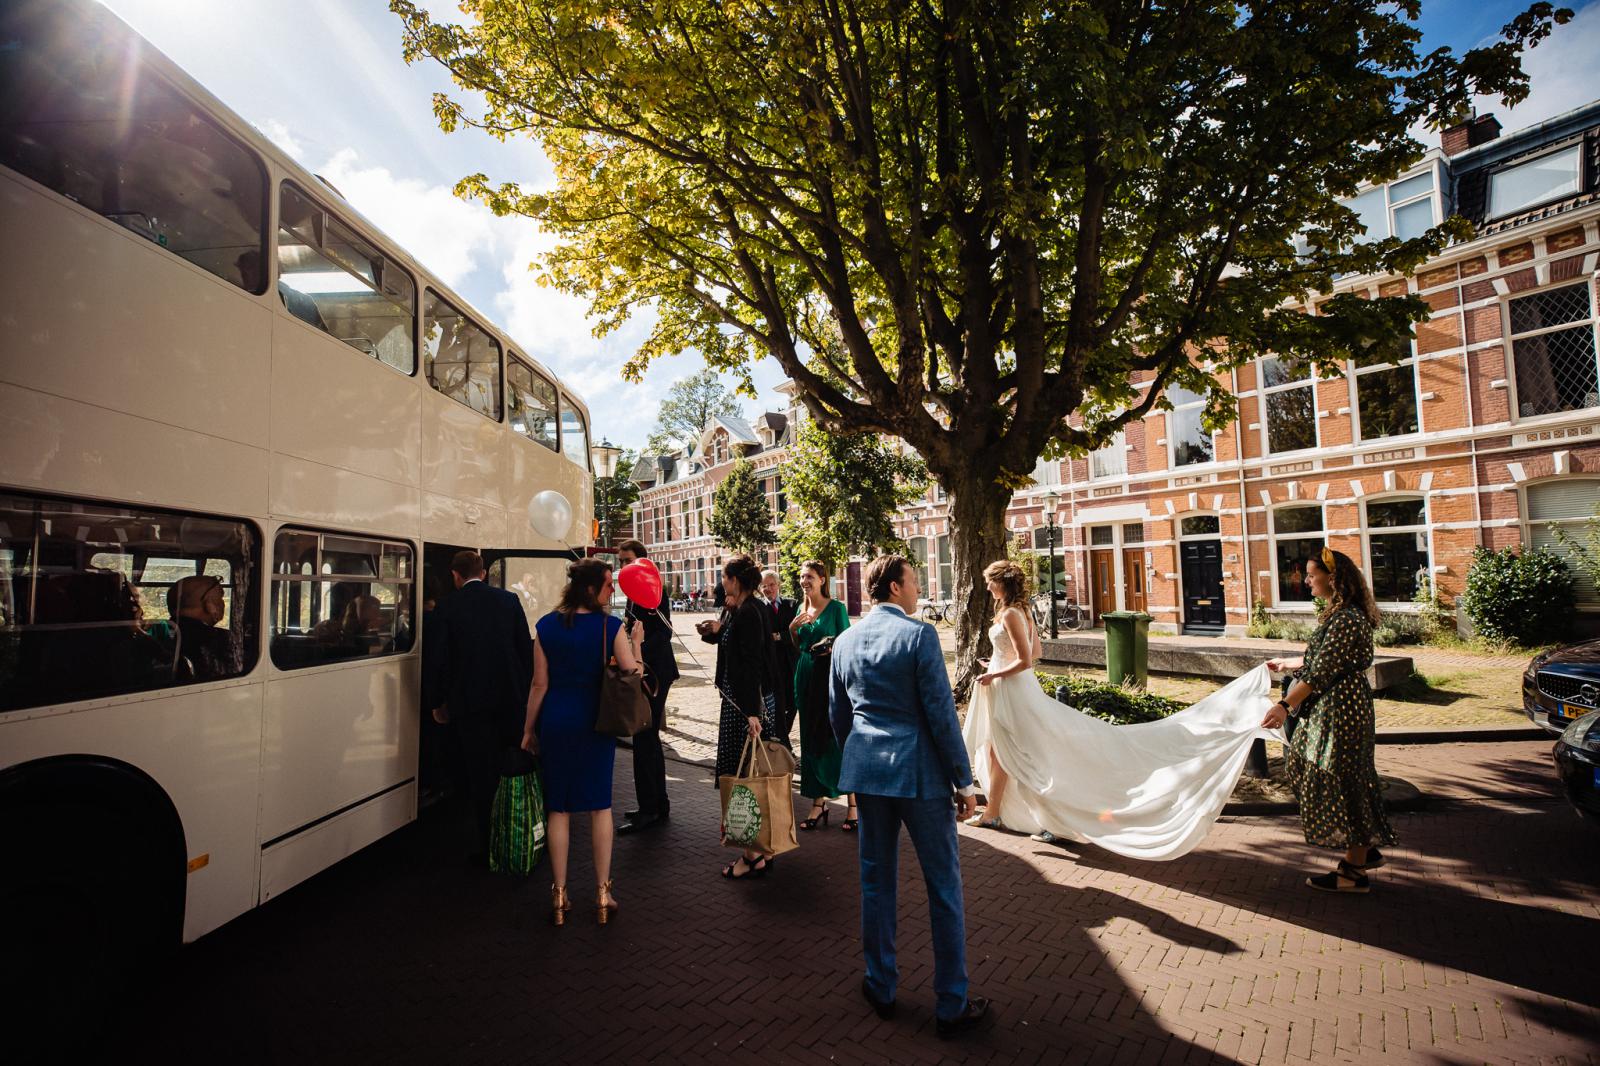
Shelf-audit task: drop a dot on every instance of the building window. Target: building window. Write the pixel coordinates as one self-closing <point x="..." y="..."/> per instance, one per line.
<point x="83" y="117"/>
<point x="1569" y="505"/>
<point x="947" y="572"/>
<point x="1291" y="401"/>
<point x="1200" y="525"/>
<point x="331" y="279"/>
<point x="919" y="559"/>
<point x="99" y="599"/>
<point x="1397" y="548"/>
<point x="1046" y="473"/>
<point x="1191" y="442"/>
<point x="1552" y="346"/>
<point x="1110" y="459"/>
<point x="1538" y="181"/>
<point x="1386" y="397"/>
<point x="1133" y="533"/>
<point x="531" y="403"/>
<point x="1403" y="209"/>
<point x="337" y="597"/>
<point x="1297" y="538"/>
<point x="461" y="358"/>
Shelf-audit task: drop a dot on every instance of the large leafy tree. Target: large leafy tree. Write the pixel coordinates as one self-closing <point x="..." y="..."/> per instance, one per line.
<point x="740" y="518"/>
<point x="971" y="224"/>
<point x="689" y="405"/>
<point x="844" y="490"/>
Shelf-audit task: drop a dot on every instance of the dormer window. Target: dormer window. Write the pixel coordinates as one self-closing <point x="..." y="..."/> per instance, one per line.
<point x="1538" y="181"/>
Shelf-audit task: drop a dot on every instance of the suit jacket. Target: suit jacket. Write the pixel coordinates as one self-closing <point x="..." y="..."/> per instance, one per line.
<point x="893" y="711"/>
<point x="781" y="615"/>
<point x="657" y="647"/>
<point x="478" y="658"/>
<point x="746" y="666"/>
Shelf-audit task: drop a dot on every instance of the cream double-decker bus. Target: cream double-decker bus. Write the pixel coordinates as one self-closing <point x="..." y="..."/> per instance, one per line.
<point x="241" y="434"/>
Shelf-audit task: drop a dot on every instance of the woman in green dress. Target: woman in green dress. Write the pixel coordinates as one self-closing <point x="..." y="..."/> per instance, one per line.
<point x="821" y="617"/>
<point x="1329" y="757"/>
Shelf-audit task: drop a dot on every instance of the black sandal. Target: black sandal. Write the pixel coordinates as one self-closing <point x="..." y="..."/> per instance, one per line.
<point x="1375" y="859"/>
<point x="849" y="825"/>
<point x="749" y="869"/>
<point x="811" y="823"/>
<point x="1359" y="884"/>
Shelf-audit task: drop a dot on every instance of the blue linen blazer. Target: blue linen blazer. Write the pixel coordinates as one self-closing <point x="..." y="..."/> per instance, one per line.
<point x="892" y="709"/>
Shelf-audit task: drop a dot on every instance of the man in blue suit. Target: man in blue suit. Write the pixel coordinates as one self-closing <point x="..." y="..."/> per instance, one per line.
<point x="895" y="718"/>
<point x="477" y="663"/>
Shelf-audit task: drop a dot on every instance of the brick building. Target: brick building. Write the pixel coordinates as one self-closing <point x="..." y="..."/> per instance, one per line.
<point x="1489" y="434"/>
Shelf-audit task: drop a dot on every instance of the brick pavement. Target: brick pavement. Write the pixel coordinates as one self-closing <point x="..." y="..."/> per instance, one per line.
<point x="1477" y="946"/>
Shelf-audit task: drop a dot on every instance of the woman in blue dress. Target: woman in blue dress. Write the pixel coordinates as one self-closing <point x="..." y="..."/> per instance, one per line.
<point x="572" y="645"/>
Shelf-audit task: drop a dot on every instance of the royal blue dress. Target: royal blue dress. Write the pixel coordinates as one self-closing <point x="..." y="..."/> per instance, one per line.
<point x="576" y="761"/>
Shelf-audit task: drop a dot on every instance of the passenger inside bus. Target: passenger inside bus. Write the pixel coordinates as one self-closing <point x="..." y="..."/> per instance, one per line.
<point x="205" y="650"/>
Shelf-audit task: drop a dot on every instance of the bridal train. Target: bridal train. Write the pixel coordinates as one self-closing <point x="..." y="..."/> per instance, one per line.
<point x="1147" y="791"/>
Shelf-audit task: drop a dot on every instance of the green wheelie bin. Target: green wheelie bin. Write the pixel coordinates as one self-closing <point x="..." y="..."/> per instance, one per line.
<point x="1127" y="646"/>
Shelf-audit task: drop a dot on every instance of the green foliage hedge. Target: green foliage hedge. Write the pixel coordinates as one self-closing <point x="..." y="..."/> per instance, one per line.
<point x="1108" y="702"/>
<point x="1524" y="597"/>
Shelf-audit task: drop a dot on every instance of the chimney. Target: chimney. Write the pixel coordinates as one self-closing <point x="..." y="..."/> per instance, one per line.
<point x="1479" y="129"/>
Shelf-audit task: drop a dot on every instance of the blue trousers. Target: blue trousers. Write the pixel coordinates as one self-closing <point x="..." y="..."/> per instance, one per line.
<point x="931" y="824"/>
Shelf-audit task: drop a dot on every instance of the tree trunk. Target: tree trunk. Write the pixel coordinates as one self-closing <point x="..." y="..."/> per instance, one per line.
<point x="977" y="538"/>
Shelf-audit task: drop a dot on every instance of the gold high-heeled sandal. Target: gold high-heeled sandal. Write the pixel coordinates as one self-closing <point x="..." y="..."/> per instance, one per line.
<point x="559" y="904"/>
<point x="604" y="904"/>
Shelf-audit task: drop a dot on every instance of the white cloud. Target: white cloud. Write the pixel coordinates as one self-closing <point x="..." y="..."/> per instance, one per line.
<point x="279" y="134"/>
<point x="1562" y="72"/>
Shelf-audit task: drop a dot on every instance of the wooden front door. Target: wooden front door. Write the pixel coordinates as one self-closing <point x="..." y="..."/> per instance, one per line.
<point x="1133" y="574"/>
<point x="1203" y="606"/>
<point x="1103" y="581"/>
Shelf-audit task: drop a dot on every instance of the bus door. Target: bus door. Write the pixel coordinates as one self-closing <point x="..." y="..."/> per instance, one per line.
<point x="536" y="576"/>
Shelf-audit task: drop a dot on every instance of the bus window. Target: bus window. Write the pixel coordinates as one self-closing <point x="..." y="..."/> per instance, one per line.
<point x="531" y="402"/>
<point x="331" y="279"/>
<point x="81" y="116"/>
<point x="574" y="434"/>
<point x="98" y="600"/>
<point x="462" y="359"/>
<point x="338" y="597"/>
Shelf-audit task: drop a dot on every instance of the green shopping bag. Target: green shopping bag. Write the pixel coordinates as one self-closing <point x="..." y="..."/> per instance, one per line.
<point x="516" y="822"/>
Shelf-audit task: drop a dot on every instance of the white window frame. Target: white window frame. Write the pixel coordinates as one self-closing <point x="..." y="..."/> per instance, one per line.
<point x="1593" y="322"/>
<point x="1310" y="382"/>
<point x="1354" y="374"/>
<point x="1575" y="527"/>
<point x="1367" y="532"/>
<point x="1172" y="442"/>
<point x="1391" y="205"/>
<point x="1576" y="148"/>
<point x="1272" y="545"/>
<point x="1118" y="444"/>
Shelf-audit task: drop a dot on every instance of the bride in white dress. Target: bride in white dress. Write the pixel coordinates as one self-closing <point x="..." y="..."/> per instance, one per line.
<point x="1148" y="791"/>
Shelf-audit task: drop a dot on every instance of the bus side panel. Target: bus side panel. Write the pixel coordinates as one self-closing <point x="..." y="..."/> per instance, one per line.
<point x="339" y="407"/>
<point x="203" y="748"/>
<point x="325" y="495"/>
<point x="95" y="312"/>
<point x="532" y="470"/>
<point x="286" y="864"/>
<point x="446" y="520"/>
<point x="335" y="736"/>
<point x="465" y="457"/>
<point x="62" y="446"/>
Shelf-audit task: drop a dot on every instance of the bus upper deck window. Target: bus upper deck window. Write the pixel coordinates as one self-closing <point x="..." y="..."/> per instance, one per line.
<point x="461" y="357"/>
<point x="532" y="403"/>
<point x="82" y="116"/>
<point x="330" y="278"/>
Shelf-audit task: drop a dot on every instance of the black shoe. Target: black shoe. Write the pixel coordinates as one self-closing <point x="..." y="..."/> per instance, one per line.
<point x="640" y="824"/>
<point x="631" y="815"/>
<point x="971" y="1016"/>
<point x="885" y="1010"/>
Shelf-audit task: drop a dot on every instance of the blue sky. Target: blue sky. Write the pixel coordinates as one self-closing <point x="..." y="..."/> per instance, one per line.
<point x="324" y="79"/>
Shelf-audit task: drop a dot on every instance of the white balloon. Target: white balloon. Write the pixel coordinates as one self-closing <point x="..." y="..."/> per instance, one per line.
<point x="551" y="514"/>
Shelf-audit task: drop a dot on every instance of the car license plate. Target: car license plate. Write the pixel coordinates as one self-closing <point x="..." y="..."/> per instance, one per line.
<point x="1571" y="710"/>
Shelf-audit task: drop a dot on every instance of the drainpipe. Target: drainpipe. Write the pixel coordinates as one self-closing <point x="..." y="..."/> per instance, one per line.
<point x="1244" y="508"/>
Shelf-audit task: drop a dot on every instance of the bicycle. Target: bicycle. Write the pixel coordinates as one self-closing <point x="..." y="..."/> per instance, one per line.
<point x="1070" y="614"/>
<point x="935" y="611"/>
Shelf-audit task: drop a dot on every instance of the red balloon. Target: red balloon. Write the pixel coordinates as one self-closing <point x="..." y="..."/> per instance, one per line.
<point x="646" y="562"/>
<point x="641" y="583"/>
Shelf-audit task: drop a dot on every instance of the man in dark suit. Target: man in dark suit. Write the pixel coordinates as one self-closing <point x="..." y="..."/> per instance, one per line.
<point x="478" y="659"/>
<point x="651" y="633"/>
<point x="785" y="655"/>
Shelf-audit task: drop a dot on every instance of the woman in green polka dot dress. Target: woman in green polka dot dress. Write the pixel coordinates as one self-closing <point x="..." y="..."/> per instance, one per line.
<point x="1329" y="758"/>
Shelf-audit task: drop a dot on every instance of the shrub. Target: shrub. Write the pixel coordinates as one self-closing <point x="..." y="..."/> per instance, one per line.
<point x="1395" y="629"/>
<point x="1108" y="702"/>
<point x="1438" y="621"/>
<point x="1525" y="597"/>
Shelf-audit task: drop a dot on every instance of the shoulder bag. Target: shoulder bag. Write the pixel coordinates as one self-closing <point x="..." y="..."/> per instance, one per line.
<point x="624" y="702"/>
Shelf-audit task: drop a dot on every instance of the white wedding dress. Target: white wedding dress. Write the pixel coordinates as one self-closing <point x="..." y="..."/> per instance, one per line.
<point x="1148" y="791"/>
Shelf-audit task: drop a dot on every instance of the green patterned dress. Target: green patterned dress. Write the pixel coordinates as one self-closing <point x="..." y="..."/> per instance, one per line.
<point x="1330" y="757"/>
<point x="820" y="754"/>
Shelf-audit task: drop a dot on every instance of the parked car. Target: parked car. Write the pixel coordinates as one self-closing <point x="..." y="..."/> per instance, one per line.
<point x="1561" y="686"/>
<point x="1577" y="758"/>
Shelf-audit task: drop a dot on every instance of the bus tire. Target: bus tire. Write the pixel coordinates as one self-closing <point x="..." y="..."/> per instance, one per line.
<point x="88" y="911"/>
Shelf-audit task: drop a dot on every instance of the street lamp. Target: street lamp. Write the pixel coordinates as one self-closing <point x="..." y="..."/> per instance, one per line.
<point x="1052" y="500"/>
<point x="605" y="455"/>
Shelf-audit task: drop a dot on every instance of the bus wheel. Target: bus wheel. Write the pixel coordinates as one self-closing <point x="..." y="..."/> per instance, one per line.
<point x="84" y="929"/>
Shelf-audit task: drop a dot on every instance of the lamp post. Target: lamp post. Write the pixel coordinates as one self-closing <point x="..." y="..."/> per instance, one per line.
<point x="1052" y="500"/>
<point x="605" y="455"/>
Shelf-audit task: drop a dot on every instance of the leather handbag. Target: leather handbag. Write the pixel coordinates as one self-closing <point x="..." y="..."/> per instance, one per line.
<point x="624" y="703"/>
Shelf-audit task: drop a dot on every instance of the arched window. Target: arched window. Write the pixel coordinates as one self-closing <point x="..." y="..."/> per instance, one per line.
<point x="1397" y="547"/>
